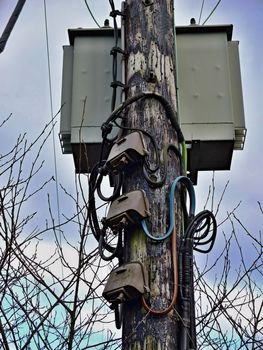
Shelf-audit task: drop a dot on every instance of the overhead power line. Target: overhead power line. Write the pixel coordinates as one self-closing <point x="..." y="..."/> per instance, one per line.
<point x="10" y="25"/>
<point x="51" y="110"/>
<point x="94" y="19"/>
<point x="201" y="12"/>
<point x="215" y="7"/>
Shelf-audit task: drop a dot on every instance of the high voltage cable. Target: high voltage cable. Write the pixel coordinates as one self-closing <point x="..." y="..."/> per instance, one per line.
<point x="201" y="12"/>
<point x="51" y="110"/>
<point x="10" y="25"/>
<point x="215" y="7"/>
<point x="94" y="19"/>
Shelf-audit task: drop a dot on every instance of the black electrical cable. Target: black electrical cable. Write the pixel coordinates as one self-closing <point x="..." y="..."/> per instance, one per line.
<point x="201" y="12"/>
<point x="192" y="312"/>
<point x="118" y="310"/>
<point x="149" y="177"/>
<point x="116" y="253"/>
<point x="147" y="170"/>
<point x="186" y="218"/>
<point x="167" y="106"/>
<point x="213" y="10"/>
<point x="202" y="230"/>
<point x="175" y="150"/>
<point x="156" y="151"/>
<point x="94" y="19"/>
<point x="10" y="24"/>
<point x="117" y="185"/>
<point x="96" y="176"/>
<point x="116" y="192"/>
<point x="107" y="127"/>
<point x="98" y="232"/>
<point x="93" y="219"/>
<point x="114" y="52"/>
<point x="185" y="258"/>
<point x="188" y="336"/>
<point x="186" y="282"/>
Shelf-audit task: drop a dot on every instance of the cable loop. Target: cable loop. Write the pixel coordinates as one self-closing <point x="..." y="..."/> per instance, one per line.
<point x="202" y="231"/>
<point x="189" y="186"/>
<point x="98" y="231"/>
<point x="148" y="94"/>
<point x="116" y="252"/>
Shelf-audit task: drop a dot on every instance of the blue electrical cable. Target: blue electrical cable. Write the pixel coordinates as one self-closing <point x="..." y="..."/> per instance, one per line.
<point x="190" y="188"/>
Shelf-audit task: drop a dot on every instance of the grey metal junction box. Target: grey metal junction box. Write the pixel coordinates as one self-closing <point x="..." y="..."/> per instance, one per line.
<point x="86" y="93"/>
<point x="210" y="96"/>
<point x="209" y="88"/>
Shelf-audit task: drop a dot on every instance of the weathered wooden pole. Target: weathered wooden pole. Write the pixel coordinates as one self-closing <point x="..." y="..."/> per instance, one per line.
<point x="150" y="67"/>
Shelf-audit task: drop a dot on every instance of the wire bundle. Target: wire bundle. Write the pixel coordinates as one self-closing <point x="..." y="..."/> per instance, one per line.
<point x="100" y="231"/>
<point x="189" y="186"/>
<point x="202" y="230"/>
<point x="170" y="113"/>
<point x="198" y="231"/>
<point x="200" y="236"/>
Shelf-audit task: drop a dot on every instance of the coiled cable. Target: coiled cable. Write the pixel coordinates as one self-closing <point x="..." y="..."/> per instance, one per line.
<point x="189" y="186"/>
<point x="98" y="231"/>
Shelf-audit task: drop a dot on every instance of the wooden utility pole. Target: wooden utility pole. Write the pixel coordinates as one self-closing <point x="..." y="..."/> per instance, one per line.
<point x="150" y="67"/>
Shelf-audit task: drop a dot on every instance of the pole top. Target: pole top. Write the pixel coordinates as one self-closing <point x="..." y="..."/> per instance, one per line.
<point x="198" y="29"/>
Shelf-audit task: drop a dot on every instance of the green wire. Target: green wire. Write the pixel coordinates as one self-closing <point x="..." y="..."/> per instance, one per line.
<point x="184" y="156"/>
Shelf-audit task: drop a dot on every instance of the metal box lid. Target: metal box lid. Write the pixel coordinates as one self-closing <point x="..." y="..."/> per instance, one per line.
<point x="210" y="97"/>
<point x="86" y="93"/>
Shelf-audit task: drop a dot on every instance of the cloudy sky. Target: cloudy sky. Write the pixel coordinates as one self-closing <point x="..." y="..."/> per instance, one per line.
<point x="24" y="76"/>
<point x="24" y="88"/>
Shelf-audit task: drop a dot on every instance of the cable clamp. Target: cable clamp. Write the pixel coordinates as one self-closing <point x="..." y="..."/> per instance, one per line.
<point x="116" y="13"/>
<point x="106" y="129"/>
<point x="116" y="84"/>
<point x="116" y="50"/>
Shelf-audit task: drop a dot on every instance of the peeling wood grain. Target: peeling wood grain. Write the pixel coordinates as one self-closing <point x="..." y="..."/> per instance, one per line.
<point x="151" y="67"/>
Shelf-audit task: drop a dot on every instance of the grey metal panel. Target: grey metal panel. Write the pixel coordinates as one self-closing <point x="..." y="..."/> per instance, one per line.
<point x="86" y="93"/>
<point x="86" y="134"/>
<point x="204" y="80"/>
<point x="91" y="92"/>
<point x="210" y="96"/>
<point x="90" y="32"/>
<point x="199" y="29"/>
<point x="66" y="96"/>
<point x="237" y="95"/>
<point x="208" y="131"/>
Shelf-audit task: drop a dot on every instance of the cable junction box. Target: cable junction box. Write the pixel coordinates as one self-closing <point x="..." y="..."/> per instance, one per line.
<point x="126" y="151"/>
<point x="210" y="101"/>
<point x="129" y="208"/>
<point x="125" y="283"/>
